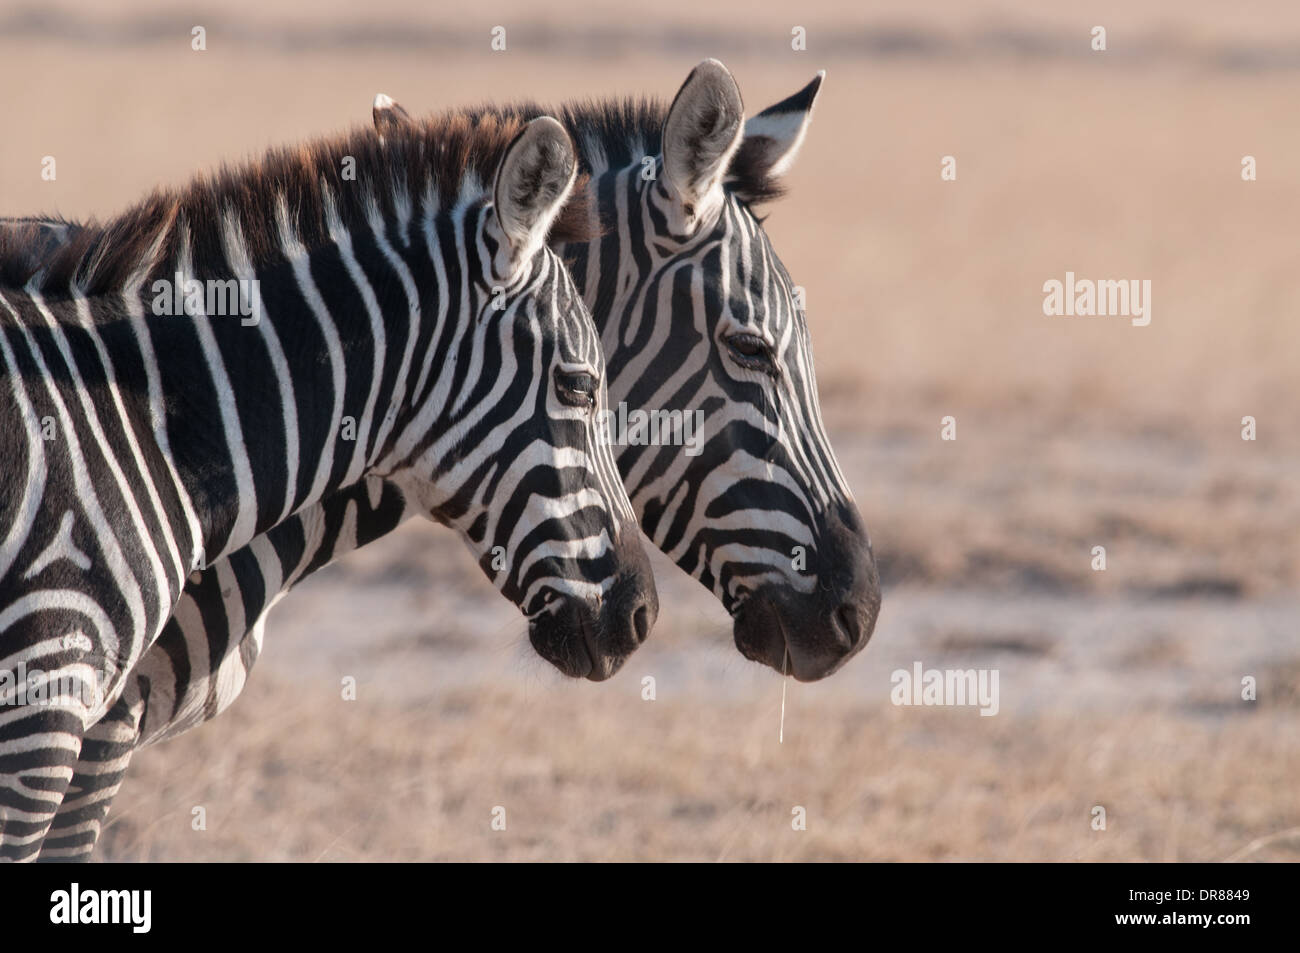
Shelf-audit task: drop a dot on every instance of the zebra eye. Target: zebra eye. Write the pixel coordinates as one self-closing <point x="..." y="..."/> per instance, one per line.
<point x="750" y="350"/>
<point x="577" y="389"/>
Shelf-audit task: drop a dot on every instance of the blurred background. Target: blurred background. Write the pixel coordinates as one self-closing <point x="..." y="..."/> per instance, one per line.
<point x="1119" y="689"/>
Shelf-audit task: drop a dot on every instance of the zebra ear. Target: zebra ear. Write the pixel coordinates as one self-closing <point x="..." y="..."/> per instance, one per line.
<point x="702" y="131"/>
<point x="772" y="140"/>
<point x="389" y="116"/>
<point x="532" y="185"/>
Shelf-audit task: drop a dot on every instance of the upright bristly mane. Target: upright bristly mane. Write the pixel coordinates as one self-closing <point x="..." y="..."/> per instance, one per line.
<point x="448" y="156"/>
<point x="439" y="154"/>
<point x="615" y="133"/>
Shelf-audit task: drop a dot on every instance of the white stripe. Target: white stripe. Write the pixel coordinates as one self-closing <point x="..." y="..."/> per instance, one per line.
<point x="232" y="240"/>
<point x="158" y="416"/>
<point x="343" y="244"/>
<point x="300" y="260"/>
<point x="245" y="525"/>
<point x="34" y="486"/>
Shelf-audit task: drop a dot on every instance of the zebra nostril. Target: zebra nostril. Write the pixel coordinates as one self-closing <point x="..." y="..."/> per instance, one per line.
<point x="851" y="622"/>
<point x="641" y="623"/>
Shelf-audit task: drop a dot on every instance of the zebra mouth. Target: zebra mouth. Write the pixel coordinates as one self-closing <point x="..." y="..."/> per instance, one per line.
<point x="592" y="638"/>
<point x="567" y="638"/>
<point x="780" y="629"/>
<point x="584" y="652"/>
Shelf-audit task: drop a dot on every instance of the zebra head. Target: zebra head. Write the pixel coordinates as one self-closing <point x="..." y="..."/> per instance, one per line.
<point x="514" y="464"/>
<point x="699" y="315"/>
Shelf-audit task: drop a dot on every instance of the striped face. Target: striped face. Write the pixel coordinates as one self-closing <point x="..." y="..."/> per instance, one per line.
<point x="514" y="462"/>
<point x="702" y="323"/>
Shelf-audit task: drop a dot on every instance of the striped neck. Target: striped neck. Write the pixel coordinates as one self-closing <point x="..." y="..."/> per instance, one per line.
<point x="299" y="370"/>
<point x="272" y="314"/>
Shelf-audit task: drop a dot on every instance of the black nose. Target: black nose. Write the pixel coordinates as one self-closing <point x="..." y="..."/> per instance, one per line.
<point x="631" y="605"/>
<point x="628" y="612"/>
<point x="849" y="566"/>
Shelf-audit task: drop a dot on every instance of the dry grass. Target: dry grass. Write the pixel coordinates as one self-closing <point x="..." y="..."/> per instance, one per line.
<point x="601" y="775"/>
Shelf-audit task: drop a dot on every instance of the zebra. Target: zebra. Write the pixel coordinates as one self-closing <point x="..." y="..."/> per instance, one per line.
<point x="765" y="483"/>
<point x="412" y="333"/>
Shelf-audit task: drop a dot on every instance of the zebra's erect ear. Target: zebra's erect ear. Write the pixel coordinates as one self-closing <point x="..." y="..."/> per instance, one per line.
<point x="772" y="140"/>
<point x="532" y="185"/>
<point x="388" y="115"/>
<point x="703" y="129"/>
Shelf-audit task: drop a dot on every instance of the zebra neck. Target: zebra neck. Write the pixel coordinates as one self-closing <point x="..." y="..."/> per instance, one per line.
<point x="284" y="383"/>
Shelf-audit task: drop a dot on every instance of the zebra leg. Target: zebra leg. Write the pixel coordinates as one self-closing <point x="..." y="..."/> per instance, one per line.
<point x="184" y="693"/>
<point x="179" y="702"/>
<point x="105" y="753"/>
<point x="182" y="701"/>
<point x="39" y="747"/>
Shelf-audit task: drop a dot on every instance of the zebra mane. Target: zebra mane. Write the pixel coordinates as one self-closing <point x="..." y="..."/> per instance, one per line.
<point x="452" y="156"/>
<point x="614" y="133"/>
<point x="439" y="153"/>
